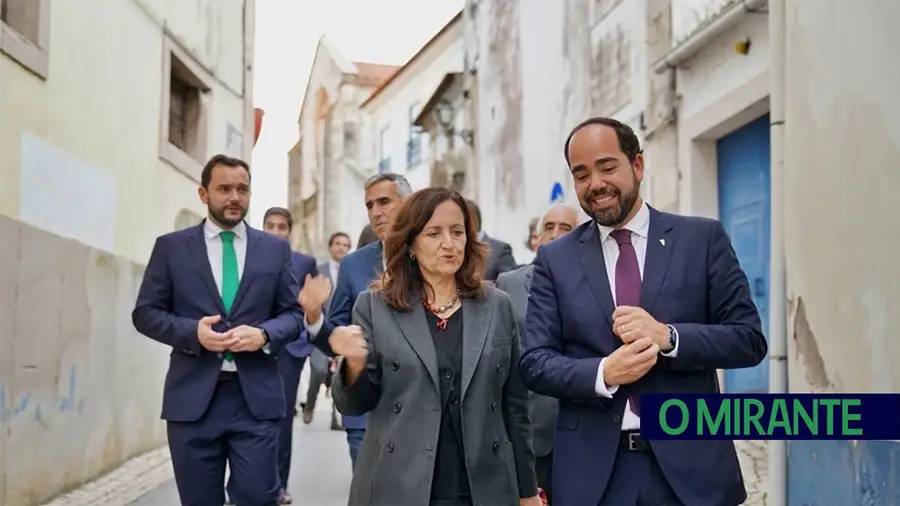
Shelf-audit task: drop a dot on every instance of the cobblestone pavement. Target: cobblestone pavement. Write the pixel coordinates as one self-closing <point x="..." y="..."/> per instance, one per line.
<point x="320" y="474"/>
<point x="754" y="458"/>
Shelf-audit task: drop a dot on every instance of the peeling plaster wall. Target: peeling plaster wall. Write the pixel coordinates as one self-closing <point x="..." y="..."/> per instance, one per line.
<point x="841" y="237"/>
<point x="80" y="390"/>
<point x="543" y="67"/>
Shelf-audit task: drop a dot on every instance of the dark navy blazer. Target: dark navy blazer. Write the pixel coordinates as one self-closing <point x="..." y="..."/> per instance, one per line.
<point x="179" y="288"/>
<point x="692" y="280"/>
<point x="358" y="270"/>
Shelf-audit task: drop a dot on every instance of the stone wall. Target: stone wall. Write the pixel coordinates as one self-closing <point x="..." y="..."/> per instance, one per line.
<point x="80" y="390"/>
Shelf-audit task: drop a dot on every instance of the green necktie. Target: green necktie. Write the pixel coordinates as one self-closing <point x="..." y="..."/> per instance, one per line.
<point x="230" y="280"/>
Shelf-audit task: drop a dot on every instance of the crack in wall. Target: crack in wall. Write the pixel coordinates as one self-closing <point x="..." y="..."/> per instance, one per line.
<point x="808" y="350"/>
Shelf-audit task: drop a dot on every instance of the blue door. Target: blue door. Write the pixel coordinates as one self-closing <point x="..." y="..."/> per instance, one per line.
<point x="744" y="195"/>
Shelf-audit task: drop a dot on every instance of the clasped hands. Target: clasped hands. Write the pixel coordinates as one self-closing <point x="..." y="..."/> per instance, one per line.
<point x="642" y="338"/>
<point x="239" y="339"/>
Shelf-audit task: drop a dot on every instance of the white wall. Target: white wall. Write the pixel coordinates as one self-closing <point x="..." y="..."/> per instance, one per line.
<point x="720" y="91"/>
<point x="95" y="121"/>
<point x="391" y="109"/>
<point x="534" y="62"/>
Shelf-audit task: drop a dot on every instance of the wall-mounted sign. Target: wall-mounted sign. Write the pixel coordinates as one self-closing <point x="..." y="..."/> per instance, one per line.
<point x="234" y="143"/>
<point x="556" y="193"/>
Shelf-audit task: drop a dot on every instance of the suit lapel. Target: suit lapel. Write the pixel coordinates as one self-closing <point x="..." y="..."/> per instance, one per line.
<point x="379" y="259"/>
<point x="200" y="259"/>
<point x="254" y="252"/>
<point x="660" y="244"/>
<point x="476" y="323"/>
<point x="594" y="265"/>
<point x="414" y="327"/>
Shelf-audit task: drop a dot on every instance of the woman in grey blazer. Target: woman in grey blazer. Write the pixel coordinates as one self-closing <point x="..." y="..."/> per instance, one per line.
<point x="432" y="356"/>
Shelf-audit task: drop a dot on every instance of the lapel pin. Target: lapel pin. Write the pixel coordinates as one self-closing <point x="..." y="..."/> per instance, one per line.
<point x="662" y="241"/>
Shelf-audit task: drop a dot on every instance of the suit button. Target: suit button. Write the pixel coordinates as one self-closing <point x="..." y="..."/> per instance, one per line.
<point x="448" y="374"/>
<point x="390" y="448"/>
<point x="496" y="447"/>
<point x="395" y="365"/>
<point x="499" y="368"/>
<point x="493" y="406"/>
<point x="454" y="400"/>
<point x="398" y="407"/>
<point x="219" y="355"/>
<point x="617" y="419"/>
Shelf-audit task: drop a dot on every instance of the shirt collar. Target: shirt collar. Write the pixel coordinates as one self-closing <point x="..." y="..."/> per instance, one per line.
<point x="639" y="225"/>
<point x="211" y="230"/>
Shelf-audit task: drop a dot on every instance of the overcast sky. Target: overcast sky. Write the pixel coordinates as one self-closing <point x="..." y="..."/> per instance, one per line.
<point x="379" y="31"/>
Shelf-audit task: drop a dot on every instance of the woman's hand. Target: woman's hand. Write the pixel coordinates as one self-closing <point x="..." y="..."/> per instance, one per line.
<point x="531" y="501"/>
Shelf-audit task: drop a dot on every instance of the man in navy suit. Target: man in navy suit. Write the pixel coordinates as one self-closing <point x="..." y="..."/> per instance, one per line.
<point x="635" y="301"/>
<point x="224" y="297"/>
<point x="278" y="221"/>
<point x="385" y="193"/>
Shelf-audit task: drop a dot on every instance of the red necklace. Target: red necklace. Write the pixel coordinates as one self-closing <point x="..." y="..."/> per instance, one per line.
<point x="441" y="310"/>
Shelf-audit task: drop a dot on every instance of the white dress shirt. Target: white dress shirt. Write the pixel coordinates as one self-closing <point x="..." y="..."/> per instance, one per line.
<point x="211" y="232"/>
<point x="640" y="229"/>
<point x="333" y="270"/>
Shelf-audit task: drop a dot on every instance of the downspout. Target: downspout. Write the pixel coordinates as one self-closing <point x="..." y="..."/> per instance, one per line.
<point x="777" y="493"/>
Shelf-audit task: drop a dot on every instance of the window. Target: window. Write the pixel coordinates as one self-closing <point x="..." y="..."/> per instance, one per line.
<point x="414" y="144"/>
<point x="186" y="93"/>
<point x="385" y="164"/>
<point x="25" y="33"/>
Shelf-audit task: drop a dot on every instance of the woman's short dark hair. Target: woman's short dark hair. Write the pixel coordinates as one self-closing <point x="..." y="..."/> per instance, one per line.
<point x="366" y="237"/>
<point x="401" y="276"/>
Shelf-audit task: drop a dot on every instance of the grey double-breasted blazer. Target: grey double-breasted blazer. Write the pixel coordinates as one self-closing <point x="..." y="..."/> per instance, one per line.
<point x="400" y="390"/>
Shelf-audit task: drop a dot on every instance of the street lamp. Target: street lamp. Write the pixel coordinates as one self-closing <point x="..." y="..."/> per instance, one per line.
<point x="446" y="114"/>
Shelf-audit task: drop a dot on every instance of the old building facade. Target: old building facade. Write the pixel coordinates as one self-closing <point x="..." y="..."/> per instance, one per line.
<point x="108" y="110"/>
<point x="329" y="164"/>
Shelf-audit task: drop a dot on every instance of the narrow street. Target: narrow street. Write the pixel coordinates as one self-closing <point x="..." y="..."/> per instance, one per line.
<point x="320" y="473"/>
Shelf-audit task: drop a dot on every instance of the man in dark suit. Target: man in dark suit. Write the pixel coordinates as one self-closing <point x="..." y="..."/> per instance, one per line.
<point x="224" y="297"/>
<point x="556" y="222"/>
<point x="280" y="222"/>
<point x="634" y="301"/>
<point x="500" y="256"/>
<point x="338" y="247"/>
<point x="385" y="193"/>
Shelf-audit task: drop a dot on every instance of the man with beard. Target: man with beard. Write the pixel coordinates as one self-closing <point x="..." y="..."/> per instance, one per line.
<point x="665" y="304"/>
<point x="223" y="296"/>
<point x="385" y="193"/>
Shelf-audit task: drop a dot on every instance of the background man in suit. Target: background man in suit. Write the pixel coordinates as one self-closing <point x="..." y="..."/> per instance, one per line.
<point x="385" y="193"/>
<point x="338" y="247"/>
<point x="556" y="222"/>
<point x="278" y="221"/>
<point x="635" y="301"/>
<point x="500" y="256"/>
<point x="224" y="297"/>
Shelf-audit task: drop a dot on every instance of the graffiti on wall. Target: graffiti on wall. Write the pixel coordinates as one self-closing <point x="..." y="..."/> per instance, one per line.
<point x="29" y="404"/>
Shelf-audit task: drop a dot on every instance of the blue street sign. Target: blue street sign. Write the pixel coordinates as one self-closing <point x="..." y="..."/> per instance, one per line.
<point x="556" y="194"/>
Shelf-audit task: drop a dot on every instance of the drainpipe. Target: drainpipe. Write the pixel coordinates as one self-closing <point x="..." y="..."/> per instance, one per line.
<point x="778" y="333"/>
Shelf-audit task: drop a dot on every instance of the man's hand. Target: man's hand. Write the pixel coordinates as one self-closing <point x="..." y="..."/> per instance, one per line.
<point x="632" y="323"/>
<point x="313" y="295"/>
<point x="212" y="340"/>
<point x="247" y="339"/>
<point x="349" y="343"/>
<point x="630" y="362"/>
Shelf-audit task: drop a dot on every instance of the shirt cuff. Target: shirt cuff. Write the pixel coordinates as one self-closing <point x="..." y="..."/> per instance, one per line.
<point x="600" y="386"/>
<point x="674" y="352"/>
<point x="314" y="329"/>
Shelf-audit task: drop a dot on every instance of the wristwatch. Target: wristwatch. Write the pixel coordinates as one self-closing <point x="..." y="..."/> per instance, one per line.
<point x="265" y="348"/>
<point x="673" y="340"/>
